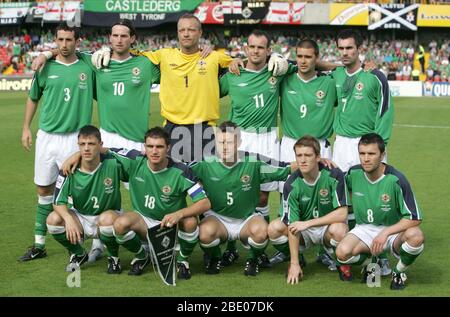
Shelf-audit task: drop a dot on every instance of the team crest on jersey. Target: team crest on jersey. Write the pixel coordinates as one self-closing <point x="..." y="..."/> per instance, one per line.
<point x="165" y="242"/>
<point x="246" y="179"/>
<point x="166" y="189"/>
<point x="136" y="71"/>
<point x="107" y="181"/>
<point x="83" y="76"/>
<point x="273" y="80"/>
<point x="385" y="198"/>
<point x="359" y="86"/>
<point x="323" y="192"/>
<point x="320" y="94"/>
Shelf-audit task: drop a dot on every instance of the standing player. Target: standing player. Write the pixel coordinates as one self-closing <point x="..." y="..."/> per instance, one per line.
<point x="387" y="215"/>
<point x="314" y="207"/>
<point x="67" y="86"/>
<point x="158" y="189"/>
<point x="232" y="180"/>
<point x="254" y="108"/>
<point x="94" y="192"/>
<point x="364" y="106"/>
<point x="189" y="90"/>
<point x="307" y="108"/>
<point x="364" y="102"/>
<point x="123" y="95"/>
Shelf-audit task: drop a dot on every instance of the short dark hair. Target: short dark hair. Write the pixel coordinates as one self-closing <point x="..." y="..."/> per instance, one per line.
<point x="157" y="133"/>
<point x="372" y="138"/>
<point x="90" y="130"/>
<point x="308" y="43"/>
<point x="63" y="26"/>
<point x="308" y="141"/>
<point x="191" y="16"/>
<point x="259" y="33"/>
<point x="128" y="24"/>
<point x="350" y="33"/>
<point x="230" y="127"/>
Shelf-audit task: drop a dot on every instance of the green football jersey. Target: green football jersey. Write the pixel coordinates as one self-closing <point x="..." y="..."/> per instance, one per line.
<point x="383" y="202"/>
<point x="123" y="96"/>
<point x="234" y="190"/>
<point x="156" y="194"/>
<point x="304" y="201"/>
<point x="254" y="97"/>
<point x="92" y="193"/>
<point x="68" y="93"/>
<point x="364" y="104"/>
<point x="307" y="107"/>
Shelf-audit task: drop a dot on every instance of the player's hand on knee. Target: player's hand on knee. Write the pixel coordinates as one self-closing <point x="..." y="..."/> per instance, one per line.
<point x="27" y="139"/>
<point x="171" y="220"/>
<point x="101" y="57"/>
<point x="278" y="65"/>
<point x="73" y="231"/>
<point x="234" y="66"/>
<point x="378" y="243"/>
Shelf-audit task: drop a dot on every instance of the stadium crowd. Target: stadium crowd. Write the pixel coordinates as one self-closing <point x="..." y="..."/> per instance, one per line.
<point x="394" y="58"/>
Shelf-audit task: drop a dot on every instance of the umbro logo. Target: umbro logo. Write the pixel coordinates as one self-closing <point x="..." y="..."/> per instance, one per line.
<point x="215" y="179"/>
<point x="305" y="198"/>
<point x="292" y="92"/>
<point x="243" y="84"/>
<point x="139" y="179"/>
<point x="106" y="70"/>
<point x="53" y="76"/>
<point x="79" y="187"/>
<point x="358" y="194"/>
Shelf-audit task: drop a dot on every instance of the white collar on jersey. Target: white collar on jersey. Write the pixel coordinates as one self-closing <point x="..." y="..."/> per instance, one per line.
<point x="69" y="64"/>
<point x="374" y="182"/>
<point x="93" y="172"/>
<point x="360" y="69"/>
<point x="155" y="172"/>
<point x="256" y="71"/>
<point x="307" y="81"/>
<point x="315" y="181"/>
<point x="122" y="61"/>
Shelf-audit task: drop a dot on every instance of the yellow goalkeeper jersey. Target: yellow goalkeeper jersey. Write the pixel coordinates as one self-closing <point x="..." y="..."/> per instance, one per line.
<point x="189" y="91"/>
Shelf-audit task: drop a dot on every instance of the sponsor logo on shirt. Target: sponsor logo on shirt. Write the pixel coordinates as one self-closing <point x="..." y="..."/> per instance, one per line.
<point x="214" y="179"/>
<point x="243" y="84"/>
<point x="53" y="76"/>
<point x="306" y="198"/>
<point x="292" y="92"/>
<point x="358" y="194"/>
<point x="139" y="179"/>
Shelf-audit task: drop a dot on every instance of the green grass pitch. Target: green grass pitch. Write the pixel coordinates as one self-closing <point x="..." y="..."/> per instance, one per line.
<point x="420" y="148"/>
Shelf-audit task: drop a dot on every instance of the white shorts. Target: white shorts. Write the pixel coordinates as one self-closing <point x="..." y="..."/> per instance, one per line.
<point x="287" y="153"/>
<point x="113" y="140"/>
<point x="266" y="144"/>
<point x="150" y="222"/>
<point x="366" y="233"/>
<point x="52" y="149"/>
<point x="313" y="236"/>
<point x="346" y="154"/>
<point x="89" y="224"/>
<point x="233" y="225"/>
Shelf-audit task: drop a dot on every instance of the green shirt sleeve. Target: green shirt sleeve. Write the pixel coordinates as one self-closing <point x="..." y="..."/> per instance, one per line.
<point x="275" y="171"/>
<point x="224" y="85"/>
<point x="37" y="88"/>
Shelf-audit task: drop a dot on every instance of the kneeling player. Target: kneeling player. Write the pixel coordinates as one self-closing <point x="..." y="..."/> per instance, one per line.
<point x="95" y="192"/>
<point x="232" y="180"/>
<point x="314" y="207"/>
<point x="158" y="189"/>
<point x="387" y="215"/>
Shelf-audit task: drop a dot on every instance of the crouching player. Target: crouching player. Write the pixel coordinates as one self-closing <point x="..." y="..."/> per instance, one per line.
<point x="94" y="191"/>
<point x="232" y="180"/>
<point x="387" y="215"/>
<point x="314" y="207"/>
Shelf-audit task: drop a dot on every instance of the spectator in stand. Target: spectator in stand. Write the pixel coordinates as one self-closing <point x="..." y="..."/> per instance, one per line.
<point x="406" y="70"/>
<point x="415" y="74"/>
